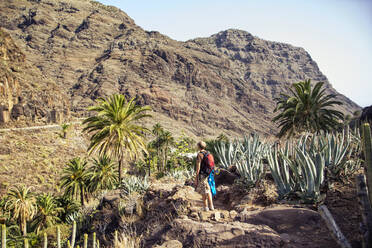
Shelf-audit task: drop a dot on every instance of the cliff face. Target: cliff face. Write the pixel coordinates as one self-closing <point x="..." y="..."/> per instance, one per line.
<point x="24" y="93"/>
<point x="224" y="83"/>
<point x="10" y="56"/>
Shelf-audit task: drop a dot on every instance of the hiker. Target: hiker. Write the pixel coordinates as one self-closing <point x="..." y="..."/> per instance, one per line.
<point x="204" y="175"/>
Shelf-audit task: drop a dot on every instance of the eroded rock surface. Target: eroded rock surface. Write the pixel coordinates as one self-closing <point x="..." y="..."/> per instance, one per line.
<point x="224" y="83"/>
<point x="172" y="215"/>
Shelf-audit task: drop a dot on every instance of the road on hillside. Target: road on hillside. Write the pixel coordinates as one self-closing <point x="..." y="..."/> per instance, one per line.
<point x="54" y="126"/>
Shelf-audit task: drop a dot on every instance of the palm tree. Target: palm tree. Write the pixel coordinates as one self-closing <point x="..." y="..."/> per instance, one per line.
<point x="21" y="203"/>
<point x="74" y="178"/>
<point x="151" y="158"/>
<point x="48" y="212"/>
<point x="65" y="127"/>
<point x="102" y="174"/>
<point x="114" y="128"/>
<point x="167" y="140"/>
<point x="157" y="130"/>
<point x="307" y="109"/>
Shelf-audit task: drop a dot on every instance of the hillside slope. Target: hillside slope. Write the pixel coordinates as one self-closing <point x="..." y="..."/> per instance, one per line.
<point x="224" y="83"/>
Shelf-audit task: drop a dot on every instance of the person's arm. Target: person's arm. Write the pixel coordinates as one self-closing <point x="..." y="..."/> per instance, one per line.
<point x="197" y="168"/>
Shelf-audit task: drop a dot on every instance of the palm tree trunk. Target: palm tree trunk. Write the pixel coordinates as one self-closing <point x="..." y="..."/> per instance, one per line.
<point x="119" y="168"/>
<point x="82" y="195"/>
<point x="149" y="165"/>
<point x="166" y="157"/>
<point x="24" y="227"/>
<point x="157" y="153"/>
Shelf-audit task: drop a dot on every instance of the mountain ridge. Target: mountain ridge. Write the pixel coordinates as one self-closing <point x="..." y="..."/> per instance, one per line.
<point x="205" y="86"/>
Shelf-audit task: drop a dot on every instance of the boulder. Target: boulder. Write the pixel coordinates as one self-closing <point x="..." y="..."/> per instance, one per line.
<point x="170" y="244"/>
<point x="234" y="234"/>
<point x="225" y="177"/>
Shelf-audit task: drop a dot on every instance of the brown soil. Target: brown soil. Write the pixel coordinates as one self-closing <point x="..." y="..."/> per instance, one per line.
<point x="36" y="157"/>
<point x="343" y="204"/>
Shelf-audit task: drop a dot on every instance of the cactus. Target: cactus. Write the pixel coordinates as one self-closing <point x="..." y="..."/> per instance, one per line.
<point x="94" y="240"/>
<point x="3" y="236"/>
<point x="73" y="237"/>
<point x="116" y="240"/>
<point x="85" y="240"/>
<point x="45" y="240"/>
<point x="367" y="140"/>
<point x="25" y="243"/>
<point x="58" y="237"/>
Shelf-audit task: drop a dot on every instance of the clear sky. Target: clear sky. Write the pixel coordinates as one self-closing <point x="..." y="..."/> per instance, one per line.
<point x="336" y="33"/>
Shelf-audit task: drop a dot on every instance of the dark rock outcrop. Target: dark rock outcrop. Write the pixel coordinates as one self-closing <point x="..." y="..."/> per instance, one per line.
<point x="366" y="114"/>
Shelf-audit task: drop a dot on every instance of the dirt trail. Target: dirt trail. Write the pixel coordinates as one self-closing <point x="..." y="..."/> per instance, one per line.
<point x="52" y="126"/>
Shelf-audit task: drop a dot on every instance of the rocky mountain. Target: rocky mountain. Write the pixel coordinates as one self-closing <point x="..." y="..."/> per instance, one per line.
<point x="224" y="83"/>
<point x="25" y="94"/>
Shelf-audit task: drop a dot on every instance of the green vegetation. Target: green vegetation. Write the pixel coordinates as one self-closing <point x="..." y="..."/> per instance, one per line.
<point x="65" y="127"/>
<point x="302" y="168"/>
<point x="307" y="109"/>
<point x="74" y="179"/>
<point x="20" y="203"/>
<point x="102" y="174"/>
<point x="48" y="212"/>
<point x="115" y="129"/>
<point x="247" y="155"/>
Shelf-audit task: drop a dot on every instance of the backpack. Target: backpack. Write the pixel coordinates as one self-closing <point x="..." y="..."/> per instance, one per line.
<point x="207" y="163"/>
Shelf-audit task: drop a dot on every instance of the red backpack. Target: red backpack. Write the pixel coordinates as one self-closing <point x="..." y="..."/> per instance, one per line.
<point x="207" y="163"/>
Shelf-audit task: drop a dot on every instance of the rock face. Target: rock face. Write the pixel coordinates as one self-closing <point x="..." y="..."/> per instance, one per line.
<point x="224" y="83"/>
<point x="24" y="92"/>
<point x="233" y="234"/>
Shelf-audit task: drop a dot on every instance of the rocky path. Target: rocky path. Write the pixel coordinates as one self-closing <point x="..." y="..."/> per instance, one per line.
<point x="242" y="224"/>
<point x="172" y="216"/>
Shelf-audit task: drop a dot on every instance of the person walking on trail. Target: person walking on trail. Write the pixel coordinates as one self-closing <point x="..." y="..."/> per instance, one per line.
<point x="204" y="175"/>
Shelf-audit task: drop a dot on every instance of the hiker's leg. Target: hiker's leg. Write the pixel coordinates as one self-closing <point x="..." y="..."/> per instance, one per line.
<point x="210" y="199"/>
<point x="205" y="200"/>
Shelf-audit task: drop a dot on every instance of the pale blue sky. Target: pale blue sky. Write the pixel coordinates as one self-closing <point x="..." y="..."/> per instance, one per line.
<point x="336" y="33"/>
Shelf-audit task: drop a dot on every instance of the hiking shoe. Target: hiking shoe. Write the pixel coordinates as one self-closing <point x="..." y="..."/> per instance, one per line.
<point x="206" y="209"/>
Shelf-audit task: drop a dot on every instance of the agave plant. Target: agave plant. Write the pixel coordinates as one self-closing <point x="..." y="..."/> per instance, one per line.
<point x="298" y="169"/>
<point x="227" y="153"/>
<point x="312" y="171"/>
<point x="251" y="145"/>
<point x="281" y="170"/>
<point x="250" y="169"/>
<point x="249" y="159"/>
<point x="134" y="184"/>
<point x="336" y="149"/>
